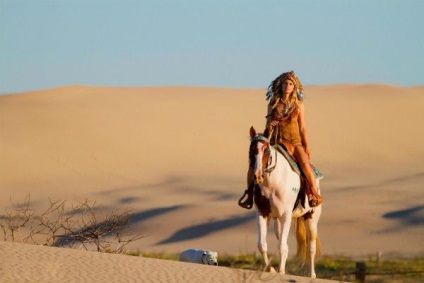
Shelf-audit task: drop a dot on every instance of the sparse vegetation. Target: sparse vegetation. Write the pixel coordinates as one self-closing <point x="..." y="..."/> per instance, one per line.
<point x="391" y="270"/>
<point x="76" y="225"/>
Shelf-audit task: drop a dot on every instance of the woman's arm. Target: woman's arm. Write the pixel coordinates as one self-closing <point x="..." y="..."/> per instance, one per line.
<point x="270" y="122"/>
<point x="302" y="129"/>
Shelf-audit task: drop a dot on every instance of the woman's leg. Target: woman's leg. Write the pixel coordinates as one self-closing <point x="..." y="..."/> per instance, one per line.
<point x="303" y="161"/>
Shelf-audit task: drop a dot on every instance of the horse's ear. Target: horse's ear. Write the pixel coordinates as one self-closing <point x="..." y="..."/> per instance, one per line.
<point x="252" y="132"/>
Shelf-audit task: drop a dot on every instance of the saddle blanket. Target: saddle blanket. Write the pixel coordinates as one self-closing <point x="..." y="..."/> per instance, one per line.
<point x="318" y="174"/>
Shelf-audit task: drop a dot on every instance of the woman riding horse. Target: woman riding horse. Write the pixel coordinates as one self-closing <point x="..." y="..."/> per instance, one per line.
<point x="286" y="126"/>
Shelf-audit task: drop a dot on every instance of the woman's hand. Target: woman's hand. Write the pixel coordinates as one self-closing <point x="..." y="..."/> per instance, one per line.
<point x="273" y="123"/>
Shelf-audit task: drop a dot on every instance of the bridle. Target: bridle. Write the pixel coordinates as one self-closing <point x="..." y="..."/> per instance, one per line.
<point x="267" y="151"/>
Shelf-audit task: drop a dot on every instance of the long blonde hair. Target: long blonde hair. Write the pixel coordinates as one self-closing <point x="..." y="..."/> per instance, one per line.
<point x="278" y="97"/>
<point x="275" y="93"/>
<point x="292" y="104"/>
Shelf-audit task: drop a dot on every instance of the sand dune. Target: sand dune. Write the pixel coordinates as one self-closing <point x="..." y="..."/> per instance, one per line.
<point x="31" y="263"/>
<point x="178" y="157"/>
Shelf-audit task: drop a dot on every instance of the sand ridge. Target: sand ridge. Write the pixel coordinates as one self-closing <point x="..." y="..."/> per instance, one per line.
<point x="32" y="263"/>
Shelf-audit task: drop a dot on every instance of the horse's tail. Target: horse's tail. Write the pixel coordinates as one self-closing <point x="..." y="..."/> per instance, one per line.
<point x="301" y="239"/>
<point x="299" y="226"/>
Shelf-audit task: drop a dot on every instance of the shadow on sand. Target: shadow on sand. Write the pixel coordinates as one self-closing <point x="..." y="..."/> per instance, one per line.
<point x="397" y="180"/>
<point x="201" y="230"/>
<point x="409" y="217"/>
<point x="144" y="215"/>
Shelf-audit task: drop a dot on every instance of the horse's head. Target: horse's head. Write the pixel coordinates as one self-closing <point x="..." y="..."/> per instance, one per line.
<point x="259" y="155"/>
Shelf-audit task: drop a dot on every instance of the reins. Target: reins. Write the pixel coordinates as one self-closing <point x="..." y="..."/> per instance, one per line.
<point x="269" y="170"/>
<point x="262" y="138"/>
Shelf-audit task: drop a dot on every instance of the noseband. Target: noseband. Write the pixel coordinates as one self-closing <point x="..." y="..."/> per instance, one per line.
<point x="267" y="144"/>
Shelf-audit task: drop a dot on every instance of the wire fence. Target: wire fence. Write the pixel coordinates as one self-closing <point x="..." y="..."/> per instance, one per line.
<point x="361" y="274"/>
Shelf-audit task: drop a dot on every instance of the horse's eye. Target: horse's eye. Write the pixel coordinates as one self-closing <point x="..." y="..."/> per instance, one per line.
<point x="267" y="151"/>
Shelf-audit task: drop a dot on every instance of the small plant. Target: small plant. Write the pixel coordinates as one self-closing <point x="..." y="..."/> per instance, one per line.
<point x="390" y="270"/>
<point x="81" y="225"/>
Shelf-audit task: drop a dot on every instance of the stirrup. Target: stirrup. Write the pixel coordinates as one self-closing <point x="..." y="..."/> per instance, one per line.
<point x="247" y="203"/>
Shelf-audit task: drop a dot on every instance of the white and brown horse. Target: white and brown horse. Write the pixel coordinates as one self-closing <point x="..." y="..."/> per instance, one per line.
<point x="277" y="186"/>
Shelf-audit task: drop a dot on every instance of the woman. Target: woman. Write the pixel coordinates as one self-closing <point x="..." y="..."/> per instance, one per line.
<point x="286" y="125"/>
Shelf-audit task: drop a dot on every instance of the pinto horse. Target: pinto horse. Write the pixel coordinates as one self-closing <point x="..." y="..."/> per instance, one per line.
<point x="278" y="185"/>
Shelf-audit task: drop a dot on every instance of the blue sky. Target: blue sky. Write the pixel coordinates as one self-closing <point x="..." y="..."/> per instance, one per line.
<point x="214" y="43"/>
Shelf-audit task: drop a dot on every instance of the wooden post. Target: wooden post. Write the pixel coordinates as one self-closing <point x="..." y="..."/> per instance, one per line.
<point x="379" y="255"/>
<point x="360" y="271"/>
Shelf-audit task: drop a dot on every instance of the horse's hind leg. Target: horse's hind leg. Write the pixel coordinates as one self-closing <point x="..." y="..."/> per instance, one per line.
<point x="313" y="241"/>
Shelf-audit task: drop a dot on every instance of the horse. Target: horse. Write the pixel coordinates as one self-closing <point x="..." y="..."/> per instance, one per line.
<point x="278" y="184"/>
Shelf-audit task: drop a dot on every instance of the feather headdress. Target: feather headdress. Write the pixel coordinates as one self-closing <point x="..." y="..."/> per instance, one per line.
<point x="276" y="85"/>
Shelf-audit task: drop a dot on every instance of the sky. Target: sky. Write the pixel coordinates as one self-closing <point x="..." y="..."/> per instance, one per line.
<point x="210" y="43"/>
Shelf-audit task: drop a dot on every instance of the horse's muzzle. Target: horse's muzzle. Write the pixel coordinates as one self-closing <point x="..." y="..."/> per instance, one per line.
<point x="258" y="178"/>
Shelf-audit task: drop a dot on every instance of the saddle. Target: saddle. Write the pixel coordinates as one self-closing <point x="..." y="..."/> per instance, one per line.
<point x="287" y="150"/>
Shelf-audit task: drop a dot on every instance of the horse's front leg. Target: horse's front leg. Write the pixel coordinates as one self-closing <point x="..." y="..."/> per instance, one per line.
<point x="262" y="244"/>
<point x="283" y="247"/>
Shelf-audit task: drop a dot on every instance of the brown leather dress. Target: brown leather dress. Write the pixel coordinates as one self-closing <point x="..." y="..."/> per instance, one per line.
<point x="288" y="129"/>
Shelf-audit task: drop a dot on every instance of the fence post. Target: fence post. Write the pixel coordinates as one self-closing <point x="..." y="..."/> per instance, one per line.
<point x="379" y="255"/>
<point x="360" y="271"/>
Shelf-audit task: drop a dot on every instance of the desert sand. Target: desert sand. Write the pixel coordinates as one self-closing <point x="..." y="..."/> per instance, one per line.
<point x="178" y="157"/>
<point x="32" y="263"/>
